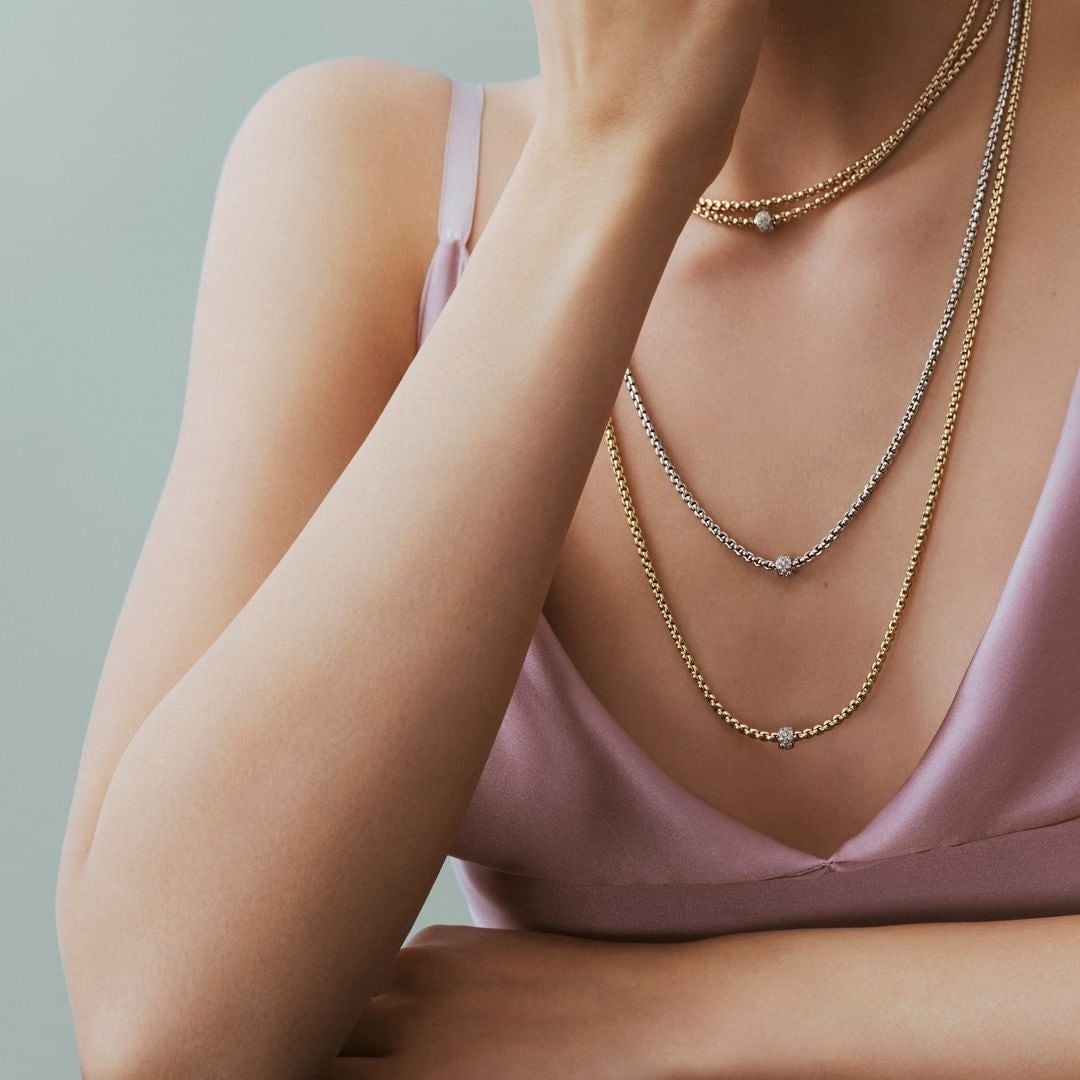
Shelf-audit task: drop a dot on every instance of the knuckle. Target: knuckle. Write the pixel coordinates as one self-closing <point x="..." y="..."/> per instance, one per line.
<point x="433" y="934"/>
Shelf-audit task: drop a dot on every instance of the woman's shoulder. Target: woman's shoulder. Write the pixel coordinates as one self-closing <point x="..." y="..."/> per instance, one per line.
<point x="379" y="123"/>
<point x="397" y="108"/>
<point x="380" y="127"/>
<point x="391" y="89"/>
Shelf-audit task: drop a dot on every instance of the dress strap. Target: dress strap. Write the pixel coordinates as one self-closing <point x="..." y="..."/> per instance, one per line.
<point x="461" y="159"/>
<point x="457" y="200"/>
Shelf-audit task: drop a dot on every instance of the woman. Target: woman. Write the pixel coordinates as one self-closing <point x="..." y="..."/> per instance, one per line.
<point x="393" y="598"/>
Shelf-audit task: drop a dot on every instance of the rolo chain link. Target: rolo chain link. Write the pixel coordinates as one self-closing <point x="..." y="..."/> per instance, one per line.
<point x="787" y="736"/>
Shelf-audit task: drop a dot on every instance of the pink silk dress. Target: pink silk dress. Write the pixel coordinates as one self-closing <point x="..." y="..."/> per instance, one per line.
<point x="574" y="829"/>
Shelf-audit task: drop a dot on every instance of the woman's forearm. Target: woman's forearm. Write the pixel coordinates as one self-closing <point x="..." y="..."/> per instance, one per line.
<point x="953" y="1001"/>
<point x="273" y="827"/>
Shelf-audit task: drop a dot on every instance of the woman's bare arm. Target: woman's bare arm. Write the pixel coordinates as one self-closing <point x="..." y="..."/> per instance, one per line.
<point x="951" y="1000"/>
<point x="980" y="1000"/>
<point x="342" y="575"/>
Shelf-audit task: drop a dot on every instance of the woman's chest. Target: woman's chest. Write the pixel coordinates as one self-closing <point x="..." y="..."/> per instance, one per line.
<point x="774" y="380"/>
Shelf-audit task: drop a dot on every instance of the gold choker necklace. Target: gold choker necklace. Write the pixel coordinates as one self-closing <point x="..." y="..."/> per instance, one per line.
<point x="766" y="214"/>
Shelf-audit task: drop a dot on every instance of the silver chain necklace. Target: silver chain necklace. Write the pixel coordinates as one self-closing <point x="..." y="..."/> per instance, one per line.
<point x="785" y="565"/>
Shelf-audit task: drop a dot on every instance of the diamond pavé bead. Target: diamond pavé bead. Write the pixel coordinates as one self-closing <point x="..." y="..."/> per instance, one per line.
<point x="783" y="565"/>
<point x="785" y="738"/>
<point x="763" y="220"/>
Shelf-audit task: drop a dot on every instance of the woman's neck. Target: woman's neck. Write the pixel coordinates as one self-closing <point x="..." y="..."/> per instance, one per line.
<point x="836" y="76"/>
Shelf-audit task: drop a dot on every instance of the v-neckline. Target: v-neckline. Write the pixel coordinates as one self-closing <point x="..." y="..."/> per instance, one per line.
<point x="952" y="719"/>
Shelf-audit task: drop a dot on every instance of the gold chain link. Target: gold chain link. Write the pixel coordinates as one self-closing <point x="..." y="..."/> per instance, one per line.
<point x="939" y="465"/>
<point x="825" y="191"/>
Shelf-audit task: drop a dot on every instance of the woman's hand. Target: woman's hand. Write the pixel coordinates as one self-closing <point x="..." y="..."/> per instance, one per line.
<point x="467" y="1003"/>
<point x="672" y="74"/>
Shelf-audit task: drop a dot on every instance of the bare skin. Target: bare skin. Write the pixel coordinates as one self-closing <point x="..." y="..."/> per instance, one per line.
<point x="982" y="1000"/>
<point x="716" y="349"/>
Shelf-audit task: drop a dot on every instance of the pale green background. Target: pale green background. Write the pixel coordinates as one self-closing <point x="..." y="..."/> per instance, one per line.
<point x="113" y="128"/>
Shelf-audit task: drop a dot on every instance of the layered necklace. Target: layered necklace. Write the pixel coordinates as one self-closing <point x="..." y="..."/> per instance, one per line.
<point x="763" y="214"/>
<point x="784" y="564"/>
<point x="1001" y="128"/>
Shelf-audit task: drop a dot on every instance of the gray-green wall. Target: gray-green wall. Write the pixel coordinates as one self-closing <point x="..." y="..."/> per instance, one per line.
<point x="114" y="122"/>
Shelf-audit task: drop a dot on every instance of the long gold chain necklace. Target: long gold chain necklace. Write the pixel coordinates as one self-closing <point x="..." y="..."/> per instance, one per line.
<point x="786" y="736"/>
<point x="763" y="213"/>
